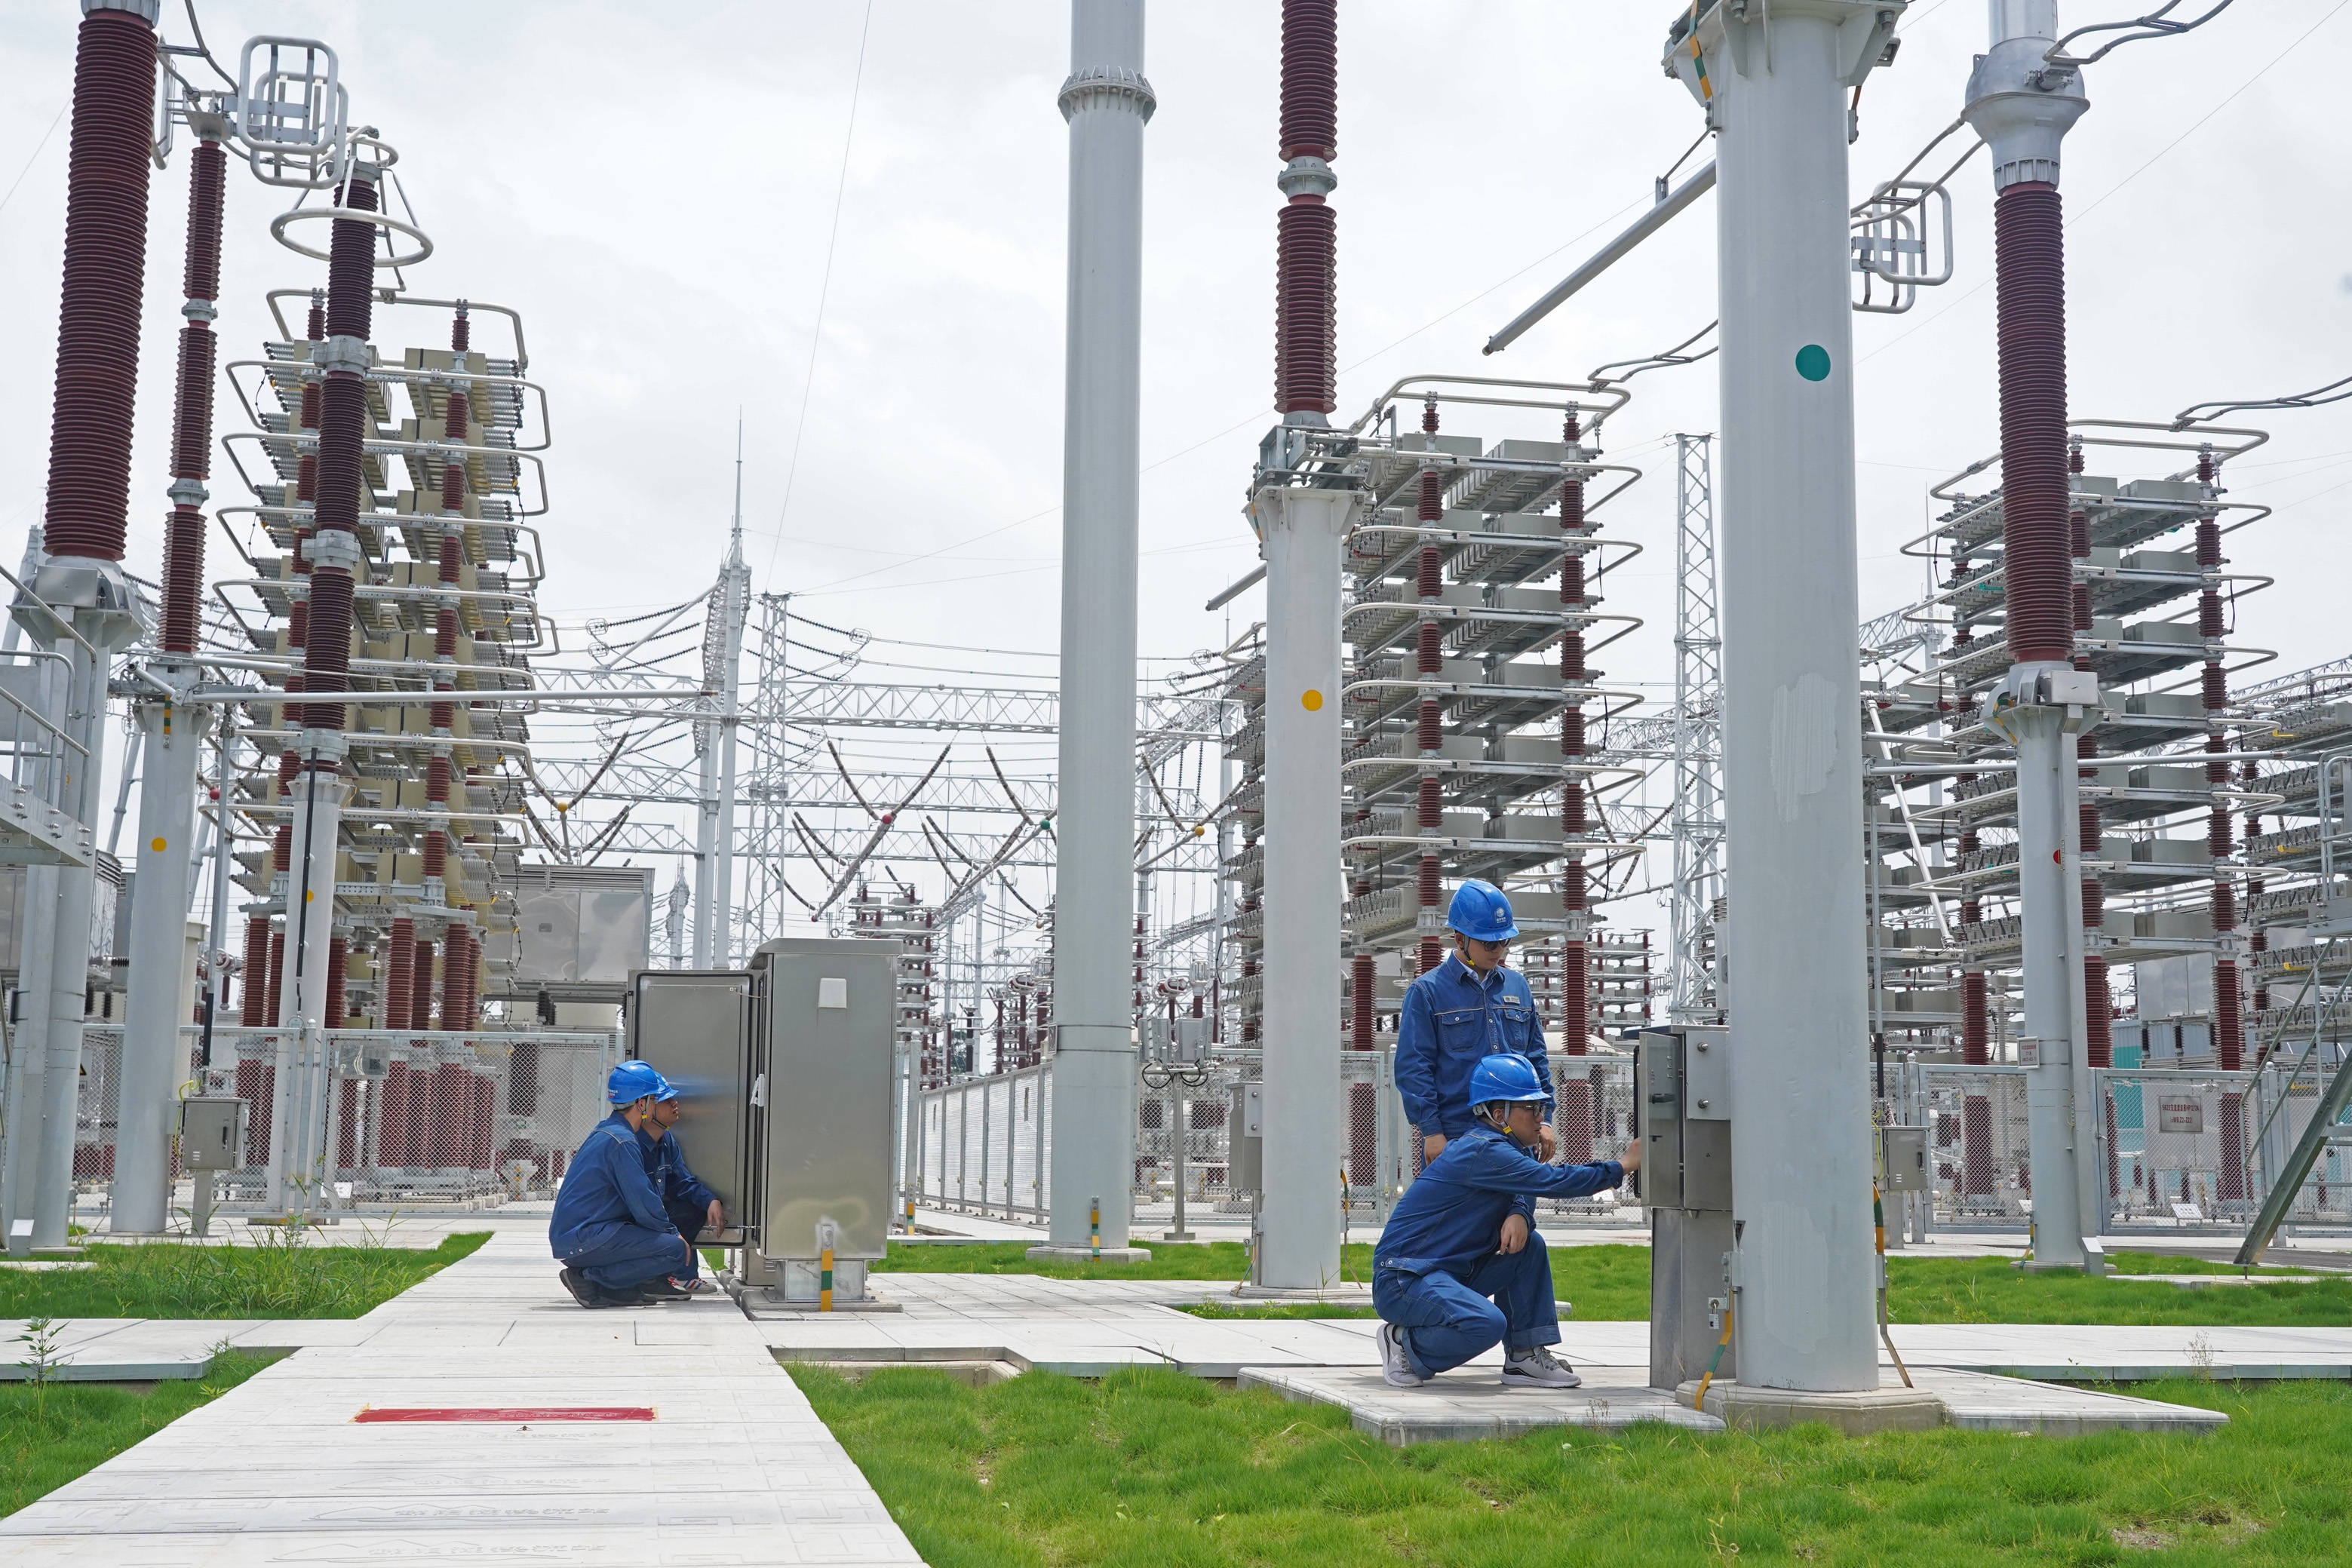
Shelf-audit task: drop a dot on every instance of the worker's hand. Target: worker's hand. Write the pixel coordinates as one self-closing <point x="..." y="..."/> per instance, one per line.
<point x="1548" y="1145"/>
<point x="1432" y="1147"/>
<point x="1632" y="1158"/>
<point x="1515" y="1234"/>
<point x="718" y="1215"/>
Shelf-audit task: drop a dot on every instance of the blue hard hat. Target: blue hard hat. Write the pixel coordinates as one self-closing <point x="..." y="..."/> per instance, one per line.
<point x="632" y="1082"/>
<point x="1506" y="1075"/>
<point x="1480" y="910"/>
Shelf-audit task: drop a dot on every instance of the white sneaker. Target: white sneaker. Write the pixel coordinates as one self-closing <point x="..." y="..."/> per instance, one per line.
<point x="1537" y="1368"/>
<point x="1393" y="1365"/>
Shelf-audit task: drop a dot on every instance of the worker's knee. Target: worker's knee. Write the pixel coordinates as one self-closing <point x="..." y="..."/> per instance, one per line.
<point x="1478" y="1318"/>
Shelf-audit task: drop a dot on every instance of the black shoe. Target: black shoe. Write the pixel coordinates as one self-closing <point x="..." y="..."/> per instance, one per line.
<point x="583" y="1291"/>
<point x="658" y="1290"/>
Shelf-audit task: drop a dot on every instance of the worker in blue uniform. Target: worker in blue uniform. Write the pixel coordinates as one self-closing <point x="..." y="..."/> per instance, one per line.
<point x="1462" y="1012"/>
<point x="1459" y="1267"/>
<point x="690" y="1202"/>
<point x="616" y="1243"/>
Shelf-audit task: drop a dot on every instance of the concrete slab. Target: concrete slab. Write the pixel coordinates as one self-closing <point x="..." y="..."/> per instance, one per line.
<point x="277" y="1470"/>
<point x="1466" y="1404"/>
<point x="1890" y="1407"/>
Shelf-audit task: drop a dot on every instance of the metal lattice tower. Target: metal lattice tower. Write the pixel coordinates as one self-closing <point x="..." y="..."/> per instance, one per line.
<point x="1697" y="818"/>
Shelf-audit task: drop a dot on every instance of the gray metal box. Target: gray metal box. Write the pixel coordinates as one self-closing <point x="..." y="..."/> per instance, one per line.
<point x="582" y="925"/>
<point x="1686" y="1151"/>
<point x="212" y="1133"/>
<point x="1907" y="1159"/>
<point x="824" y="1015"/>
<point x="694" y="1027"/>
<point x="1246" y="1143"/>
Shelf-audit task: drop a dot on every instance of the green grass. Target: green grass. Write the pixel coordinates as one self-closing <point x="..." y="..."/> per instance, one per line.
<point x="1156" y="1470"/>
<point x="278" y="1278"/>
<point x="49" y="1435"/>
<point x="1612" y="1284"/>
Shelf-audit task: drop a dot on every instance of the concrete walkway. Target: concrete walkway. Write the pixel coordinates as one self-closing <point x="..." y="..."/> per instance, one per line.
<point x="725" y="1463"/>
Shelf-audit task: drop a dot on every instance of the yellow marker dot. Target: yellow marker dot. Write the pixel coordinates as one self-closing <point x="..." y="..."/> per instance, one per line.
<point x="1312" y="702"/>
<point x="157" y="846"/>
<point x="308" y="895"/>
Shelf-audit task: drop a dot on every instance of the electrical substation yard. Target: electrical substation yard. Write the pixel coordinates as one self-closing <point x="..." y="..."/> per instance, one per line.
<point x="2010" y="920"/>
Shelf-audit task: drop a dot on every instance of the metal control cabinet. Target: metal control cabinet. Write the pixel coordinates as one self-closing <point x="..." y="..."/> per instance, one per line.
<point x="694" y="1027"/>
<point x="1681" y="1099"/>
<point x="212" y="1133"/>
<point x="824" y="1018"/>
<point x="1904" y="1152"/>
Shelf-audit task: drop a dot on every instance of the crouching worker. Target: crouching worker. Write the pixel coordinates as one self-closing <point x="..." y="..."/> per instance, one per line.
<point x="688" y="1201"/>
<point x="1459" y="1267"/>
<point x="617" y="1244"/>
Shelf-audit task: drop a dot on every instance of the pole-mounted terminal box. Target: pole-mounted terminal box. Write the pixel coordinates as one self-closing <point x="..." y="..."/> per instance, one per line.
<point x="212" y="1133"/>
<point x="1683" y="1115"/>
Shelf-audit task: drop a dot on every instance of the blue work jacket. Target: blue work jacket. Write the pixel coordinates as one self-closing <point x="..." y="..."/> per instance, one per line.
<point x="666" y="1167"/>
<point x="1453" y="1019"/>
<point x="605" y="1191"/>
<point x="1451" y="1215"/>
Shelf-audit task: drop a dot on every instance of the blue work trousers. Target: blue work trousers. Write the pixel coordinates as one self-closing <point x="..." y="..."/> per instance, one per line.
<point x="689" y="1221"/>
<point x="1447" y="1319"/>
<point x="633" y="1255"/>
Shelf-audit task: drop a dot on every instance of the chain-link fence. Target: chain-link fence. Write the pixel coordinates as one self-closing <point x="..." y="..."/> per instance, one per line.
<point x="2175" y="1145"/>
<point x="371" y="1118"/>
<point x="984" y="1146"/>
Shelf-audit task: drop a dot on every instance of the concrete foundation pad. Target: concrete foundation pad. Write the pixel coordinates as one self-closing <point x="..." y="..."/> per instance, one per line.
<point x="1469" y="1403"/>
<point x="1856" y="1414"/>
<point x="1342" y="1295"/>
<point x="1052" y="1254"/>
<point x="761" y="1304"/>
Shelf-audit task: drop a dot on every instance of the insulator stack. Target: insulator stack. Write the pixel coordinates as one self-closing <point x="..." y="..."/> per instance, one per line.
<point x="105" y="271"/>
<point x="2030" y="257"/>
<point x="257" y="998"/>
<point x="1360" y="981"/>
<point x="1305" y="334"/>
<point x="339" y="957"/>
<point x="1575" y="994"/>
<point x="192" y="412"/>
<point x="400" y="964"/>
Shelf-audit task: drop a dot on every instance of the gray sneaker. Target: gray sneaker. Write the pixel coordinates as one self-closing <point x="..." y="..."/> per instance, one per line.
<point x="1538" y="1368"/>
<point x="1394" y="1367"/>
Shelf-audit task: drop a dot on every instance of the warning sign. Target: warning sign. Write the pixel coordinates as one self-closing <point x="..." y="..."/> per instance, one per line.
<point x="2179" y="1114"/>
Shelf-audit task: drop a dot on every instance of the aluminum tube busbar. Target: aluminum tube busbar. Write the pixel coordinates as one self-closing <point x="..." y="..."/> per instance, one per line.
<point x="1801" y="1166"/>
<point x="1107" y="101"/>
<point x="1607" y="256"/>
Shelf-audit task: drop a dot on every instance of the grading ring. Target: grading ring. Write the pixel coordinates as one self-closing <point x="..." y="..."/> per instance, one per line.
<point x="278" y="226"/>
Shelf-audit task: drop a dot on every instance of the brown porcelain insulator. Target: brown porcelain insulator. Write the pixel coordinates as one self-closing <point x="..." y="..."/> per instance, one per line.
<point x="1306" y="337"/>
<point x="1360" y="1002"/>
<point x="1428" y="649"/>
<point x="254" y="1005"/>
<point x="2099" y="1033"/>
<point x="97" y="380"/>
<point x="2029" y="265"/>
<point x="420" y="984"/>
<point x="2229" y="1021"/>
<point x="277" y="974"/>
<point x="400" y="961"/>
<point x="1310" y="79"/>
<point x="1431" y="734"/>
<point x="338" y="959"/>
<point x="1975" y="1031"/>
<point x="1428" y="805"/>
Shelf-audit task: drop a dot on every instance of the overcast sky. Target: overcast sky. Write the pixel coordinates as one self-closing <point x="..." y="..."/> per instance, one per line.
<point x="654" y="187"/>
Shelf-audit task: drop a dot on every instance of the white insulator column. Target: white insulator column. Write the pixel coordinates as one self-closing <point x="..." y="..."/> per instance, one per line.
<point x="154" y="1059"/>
<point x="1107" y="101"/>
<point x="1776" y="91"/>
<point x="1298" y="1213"/>
<point x="82" y="717"/>
<point x="300" y="1104"/>
<point x="2050" y="905"/>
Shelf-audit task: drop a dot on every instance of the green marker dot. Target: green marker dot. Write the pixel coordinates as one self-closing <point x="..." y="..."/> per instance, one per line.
<point x="1813" y="362"/>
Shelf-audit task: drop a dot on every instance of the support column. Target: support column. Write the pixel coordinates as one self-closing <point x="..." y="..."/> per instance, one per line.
<point x="174" y="737"/>
<point x="2023" y="109"/>
<point x="1777" y="89"/>
<point x="1298" y="1214"/>
<point x="1107" y="101"/>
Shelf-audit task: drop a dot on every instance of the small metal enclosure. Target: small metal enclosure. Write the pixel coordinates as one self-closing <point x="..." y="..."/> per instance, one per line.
<point x="1682" y="1099"/>
<point x="212" y="1133"/>
<point x="1245" y="1146"/>
<point x="694" y="1027"/>
<point x="824" y="1026"/>
<point x="1905" y="1159"/>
